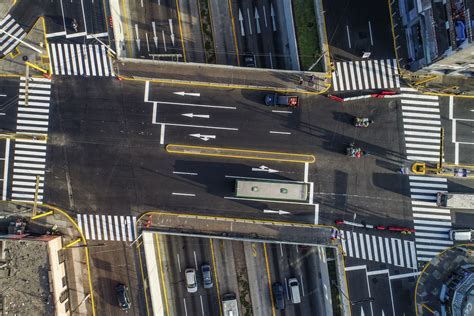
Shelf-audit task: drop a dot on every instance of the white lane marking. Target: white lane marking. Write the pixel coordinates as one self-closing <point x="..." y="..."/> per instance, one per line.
<point x="61" y="59"/>
<point x="423" y="152"/>
<point x="92" y="61"/>
<point x="382" y="250"/>
<point x="424" y="128"/>
<point x="67" y="59"/>
<point x="410" y="145"/>
<point x="376" y="253"/>
<point x="418" y="96"/>
<point x="186" y="173"/>
<point x="384" y="74"/>
<point x="451" y="109"/>
<point x="99" y="62"/>
<point x="199" y="126"/>
<point x="397" y="77"/>
<point x="185" y="308"/>
<point x="179" y="262"/>
<point x="369" y="248"/>
<point x="91" y="218"/>
<point x="405" y="275"/>
<point x="99" y="230"/>
<point x="400" y="252"/>
<point x="346" y="76"/>
<point x="431" y="122"/>
<point x="371" y="73"/>
<point x="111" y="227"/>
<point x="79" y="58"/>
<point x="73" y="57"/>
<point x="356" y="248"/>
<point x="456" y="153"/>
<point x="334" y="81"/>
<point x="387" y="246"/>
<point x="55" y="60"/>
<point x="306" y="172"/>
<point x="86" y="59"/>
<point x="406" y="245"/>
<point x="340" y="74"/>
<point x="377" y="73"/>
<point x="278" y="111"/>
<point x="183" y="194"/>
<point x="281" y="250"/>
<point x="343" y="242"/>
<point x="354" y="268"/>
<point x="348" y="36"/>
<point x="79" y="222"/>
<point x="202" y="305"/>
<point x="362" y="245"/>
<point x="117" y="227"/>
<point x="86" y="226"/>
<point x="422" y="134"/>
<point x="370" y="33"/>
<point x="134" y="227"/>
<point x="359" y="79"/>
<point x="283" y="133"/>
<point x="106" y="61"/>
<point x="316" y="214"/>
<point x="364" y="73"/>
<point x="302" y="285"/>
<point x="5" y="169"/>
<point x="129" y="226"/>
<point x="196" y="105"/>
<point x="433" y="235"/>
<point x="349" y="242"/>
<point x="390" y="75"/>
<point x="249" y="19"/>
<point x="122" y="226"/>
<point x="104" y="227"/>
<point x="353" y="78"/>
<point x="195" y="260"/>
<point x="162" y="134"/>
<point x="418" y="102"/>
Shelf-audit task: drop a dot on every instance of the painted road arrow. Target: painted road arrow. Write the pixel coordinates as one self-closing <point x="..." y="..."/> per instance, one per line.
<point x="192" y="115"/>
<point x="265" y="169"/>
<point x="138" y="38"/>
<point x="203" y="137"/>
<point x="191" y="94"/>
<point x="155" y="38"/>
<point x="171" y="30"/>
<point x="279" y="212"/>
<point x="241" y="20"/>
<point x="257" y="20"/>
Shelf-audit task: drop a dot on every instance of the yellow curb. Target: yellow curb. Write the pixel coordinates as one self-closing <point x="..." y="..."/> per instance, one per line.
<point x="237" y="55"/>
<point x="180" y="30"/>
<point x="235" y="153"/>
<point x="158" y="250"/>
<point x="143" y="280"/>
<point x="267" y="267"/>
<point x="215" y="275"/>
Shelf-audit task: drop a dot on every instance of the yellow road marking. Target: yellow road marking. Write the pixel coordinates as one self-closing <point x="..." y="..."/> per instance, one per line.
<point x="215" y="275"/>
<point x="267" y="266"/>
<point x="310" y="158"/>
<point x="233" y="33"/>
<point x="254" y="249"/>
<point x="72" y="243"/>
<point x="180" y="30"/>
<point x="143" y="279"/>
<point x="158" y="249"/>
<point x="125" y="18"/>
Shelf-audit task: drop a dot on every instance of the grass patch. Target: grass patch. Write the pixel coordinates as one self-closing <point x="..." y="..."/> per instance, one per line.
<point x="332" y="271"/>
<point x="307" y="34"/>
<point x="206" y="31"/>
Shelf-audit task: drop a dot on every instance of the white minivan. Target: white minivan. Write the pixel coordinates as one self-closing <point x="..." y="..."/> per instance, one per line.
<point x="294" y="289"/>
<point x="191" y="283"/>
<point x="461" y="234"/>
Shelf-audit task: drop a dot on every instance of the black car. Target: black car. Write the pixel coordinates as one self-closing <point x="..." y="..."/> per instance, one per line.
<point x="277" y="289"/>
<point x="123" y="297"/>
<point x="249" y="60"/>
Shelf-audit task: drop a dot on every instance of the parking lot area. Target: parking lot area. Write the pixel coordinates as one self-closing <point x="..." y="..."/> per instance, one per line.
<point x="265" y="278"/>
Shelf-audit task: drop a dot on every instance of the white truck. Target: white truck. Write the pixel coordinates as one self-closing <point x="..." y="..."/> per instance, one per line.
<point x="229" y="305"/>
<point x="455" y="200"/>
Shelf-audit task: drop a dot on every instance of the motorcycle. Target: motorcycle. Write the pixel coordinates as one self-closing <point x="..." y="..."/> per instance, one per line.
<point x="362" y="121"/>
<point x="355" y="152"/>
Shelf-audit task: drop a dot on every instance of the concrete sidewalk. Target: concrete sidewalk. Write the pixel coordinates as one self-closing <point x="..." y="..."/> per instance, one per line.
<point x="220" y="76"/>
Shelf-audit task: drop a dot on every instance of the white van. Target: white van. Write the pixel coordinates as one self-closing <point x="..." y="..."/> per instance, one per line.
<point x="294" y="289"/>
<point x="461" y="234"/>
<point x="191" y="283"/>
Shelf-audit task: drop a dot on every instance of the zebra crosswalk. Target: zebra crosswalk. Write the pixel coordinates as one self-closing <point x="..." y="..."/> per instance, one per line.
<point x="11" y="34"/>
<point x="107" y="227"/>
<point x="29" y="160"/>
<point x="365" y="74"/>
<point x="432" y="223"/>
<point x="400" y="253"/>
<point x="80" y="60"/>
<point x="421" y="125"/>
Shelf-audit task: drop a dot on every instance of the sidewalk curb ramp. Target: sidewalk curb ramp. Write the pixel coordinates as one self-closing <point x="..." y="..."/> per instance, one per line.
<point x="240" y="153"/>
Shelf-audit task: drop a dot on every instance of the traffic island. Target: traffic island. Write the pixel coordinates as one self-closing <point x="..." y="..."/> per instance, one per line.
<point x="240" y="153"/>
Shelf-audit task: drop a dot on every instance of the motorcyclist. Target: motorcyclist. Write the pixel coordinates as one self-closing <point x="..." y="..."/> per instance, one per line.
<point x="355" y="152"/>
<point x="362" y="122"/>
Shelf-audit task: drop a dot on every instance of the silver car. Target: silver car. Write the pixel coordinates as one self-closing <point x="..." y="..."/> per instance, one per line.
<point x="191" y="283"/>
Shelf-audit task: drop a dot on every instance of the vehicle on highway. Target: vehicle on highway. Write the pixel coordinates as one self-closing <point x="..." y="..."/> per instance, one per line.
<point x="229" y="305"/>
<point x="191" y="283"/>
<point x="249" y="60"/>
<point x="275" y="99"/>
<point x="122" y="296"/>
<point x="294" y="289"/>
<point x="206" y="276"/>
<point x="455" y="200"/>
<point x="271" y="190"/>
<point x="277" y="289"/>
<point x="461" y="234"/>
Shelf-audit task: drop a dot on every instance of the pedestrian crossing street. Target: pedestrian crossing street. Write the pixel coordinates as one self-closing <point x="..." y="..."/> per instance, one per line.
<point x="432" y="223"/>
<point x="11" y="35"/>
<point x="365" y="74"/>
<point x="421" y="125"/>
<point x="29" y="159"/>
<point x="80" y="60"/>
<point x="107" y="227"/>
<point x="400" y="253"/>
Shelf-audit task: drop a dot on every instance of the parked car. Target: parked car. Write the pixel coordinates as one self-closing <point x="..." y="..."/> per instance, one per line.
<point x="191" y="283"/>
<point x="249" y="60"/>
<point x="277" y="289"/>
<point x="207" y="276"/>
<point x="275" y="99"/>
<point x="122" y="296"/>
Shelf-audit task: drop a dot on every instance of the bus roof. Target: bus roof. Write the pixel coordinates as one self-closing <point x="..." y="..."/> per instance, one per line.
<point x="271" y="190"/>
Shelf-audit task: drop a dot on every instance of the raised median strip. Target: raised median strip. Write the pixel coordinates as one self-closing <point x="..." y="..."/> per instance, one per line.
<point x="239" y="153"/>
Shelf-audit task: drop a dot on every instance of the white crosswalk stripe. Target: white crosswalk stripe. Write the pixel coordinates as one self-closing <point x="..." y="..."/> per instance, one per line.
<point x="377" y="248"/>
<point x="365" y="74"/>
<point x="11" y="34"/>
<point x="107" y="227"/>
<point x="29" y="160"/>
<point x="421" y="124"/>
<point x="432" y="223"/>
<point x="77" y="60"/>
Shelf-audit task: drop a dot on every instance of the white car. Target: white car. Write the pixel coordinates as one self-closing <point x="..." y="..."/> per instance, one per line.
<point x="191" y="283"/>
